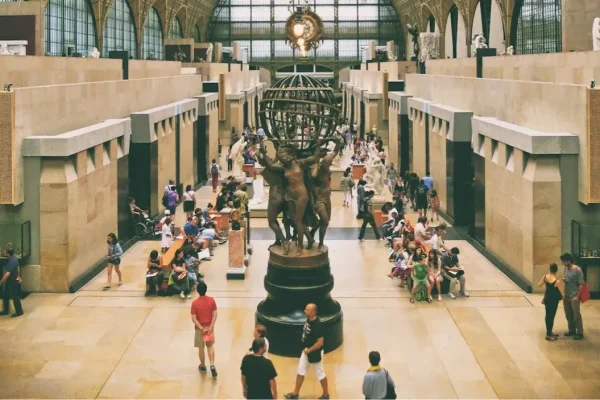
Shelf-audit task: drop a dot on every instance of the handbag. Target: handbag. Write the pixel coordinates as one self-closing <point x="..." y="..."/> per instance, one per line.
<point x="585" y="293"/>
<point x="390" y="390"/>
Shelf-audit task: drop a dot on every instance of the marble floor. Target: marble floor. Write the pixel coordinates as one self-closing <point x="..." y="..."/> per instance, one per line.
<point x="120" y="344"/>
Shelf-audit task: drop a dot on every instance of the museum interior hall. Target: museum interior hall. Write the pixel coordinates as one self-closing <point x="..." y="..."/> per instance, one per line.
<point x="345" y="199"/>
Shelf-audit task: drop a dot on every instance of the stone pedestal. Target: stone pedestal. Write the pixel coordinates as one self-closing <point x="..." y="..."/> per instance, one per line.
<point x="15" y="47"/>
<point x="358" y="170"/>
<point x="250" y="187"/>
<point x="237" y="243"/>
<point x="293" y="282"/>
<point x="336" y="177"/>
<point x="249" y="170"/>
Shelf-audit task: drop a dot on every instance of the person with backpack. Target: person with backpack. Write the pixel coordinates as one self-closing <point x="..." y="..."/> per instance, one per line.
<point x="114" y="258"/>
<point x="365" y="213"/>
<point x="377" y="383"/>
<point x="172" y="198"/>
<point x="215" y="173"/>
<point x="421" y="198"/>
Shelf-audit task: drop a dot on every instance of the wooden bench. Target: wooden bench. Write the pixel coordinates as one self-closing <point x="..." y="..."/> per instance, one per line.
<point x="168" y="257"/>
<point x="249" y="170"/>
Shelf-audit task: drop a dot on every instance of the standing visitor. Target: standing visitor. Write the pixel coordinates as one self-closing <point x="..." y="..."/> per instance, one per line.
<point x="365" y="214"/>
<point x="189" y="202"/>
<point x="428" y="181"/>
<point x="360" y="195"/>
<point x="552" y="297"/>
<point x="413" y="184"/>
<point x="258" y="373"/>
<point x="392" y="176"/>
<point x="114" y="258"/>
<point x="11" y="285"/>
<point x="421" y="196"/>
<point x="313" y="341"/>
<point x="172" y="199"/>
<point x="229" y="160"/>
<point x="166" y="238"/>
<point x="377" y="380"/>
<point x="215" y="174"/>
<point x="346" y="186"/>
<point x="204" y="316"/>
<point x="260" y="331"/>
<point x="573" y="278"/>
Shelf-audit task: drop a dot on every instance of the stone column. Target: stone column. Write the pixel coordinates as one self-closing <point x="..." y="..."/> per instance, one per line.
<point x="236" y="267"/>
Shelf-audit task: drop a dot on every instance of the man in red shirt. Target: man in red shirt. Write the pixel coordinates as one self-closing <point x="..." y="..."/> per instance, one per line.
<point x="204" y="316"/>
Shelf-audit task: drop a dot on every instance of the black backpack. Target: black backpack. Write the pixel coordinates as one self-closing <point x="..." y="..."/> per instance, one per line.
<point x="422" y="190"/>
<point x="214" y="170"/>
<point x="165" y="200"/>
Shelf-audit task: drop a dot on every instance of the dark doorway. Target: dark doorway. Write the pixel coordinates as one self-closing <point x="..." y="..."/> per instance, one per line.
<point x="459" y="182"/>
<point x="362" y="120"/>
<point x="177" y="150"/>
<point x="124" y="213"/>
<point x="256" y="110"/>
<point x="409" y="143"/>
<point x="352" y="119"/>
<point x="246" y="114"/>
<point x="478" y="226"/>
<point x="202" y="147"/>
<point x="404" y="145"/>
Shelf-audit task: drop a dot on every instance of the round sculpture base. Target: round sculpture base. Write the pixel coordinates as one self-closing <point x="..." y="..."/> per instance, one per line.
<point x="292" y="282"/>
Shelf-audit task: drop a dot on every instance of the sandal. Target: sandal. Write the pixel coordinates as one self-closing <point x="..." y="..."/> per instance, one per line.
<point x="290" y="395"/>
<point x="412" y="300"/>
<point x="551" y="338"/>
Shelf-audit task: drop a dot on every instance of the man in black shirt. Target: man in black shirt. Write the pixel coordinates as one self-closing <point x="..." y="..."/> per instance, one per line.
<point x="312" y="340"/>
<point x="452" y="270"/>
<point x="258" y="373"/>
<point x="11" y="284"/>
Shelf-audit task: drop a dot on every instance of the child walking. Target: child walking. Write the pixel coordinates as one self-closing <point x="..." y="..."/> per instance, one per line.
<point x="435" y="204"/>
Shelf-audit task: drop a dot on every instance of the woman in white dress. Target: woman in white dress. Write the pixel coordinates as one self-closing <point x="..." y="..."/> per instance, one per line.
<point x="166" y="235"/>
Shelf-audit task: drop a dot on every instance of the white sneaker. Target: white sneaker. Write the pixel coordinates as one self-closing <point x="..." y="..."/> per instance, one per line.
<point x="439" y="297"/>
<point x="189" y="296"/>
<point x="465" y="294"/>
<point x="361" y="240"/>
<point x="182" y="295"/>
<point x="452" y="296"/>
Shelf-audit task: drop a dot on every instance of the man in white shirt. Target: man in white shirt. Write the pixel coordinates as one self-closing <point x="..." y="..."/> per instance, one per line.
<point x="437" y="240"/>
<point x="421" y="230"/>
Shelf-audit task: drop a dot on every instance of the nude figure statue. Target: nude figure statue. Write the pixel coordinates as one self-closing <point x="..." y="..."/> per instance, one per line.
<point x="322" y="193"/>
<point x="296" y="189"/>
<point x="277" y="204"/>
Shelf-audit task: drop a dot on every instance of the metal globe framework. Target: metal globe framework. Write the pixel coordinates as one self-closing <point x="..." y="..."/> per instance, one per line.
<point x="299" y="111"/>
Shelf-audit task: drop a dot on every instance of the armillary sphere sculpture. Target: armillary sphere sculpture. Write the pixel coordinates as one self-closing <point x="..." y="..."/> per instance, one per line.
<point x="299" y="115"/>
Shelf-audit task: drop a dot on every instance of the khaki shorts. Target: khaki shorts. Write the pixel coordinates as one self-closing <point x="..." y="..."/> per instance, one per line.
<point x="198" y="341"/>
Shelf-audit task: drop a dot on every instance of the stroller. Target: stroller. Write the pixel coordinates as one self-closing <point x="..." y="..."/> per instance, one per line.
<point x="145" y="228"/>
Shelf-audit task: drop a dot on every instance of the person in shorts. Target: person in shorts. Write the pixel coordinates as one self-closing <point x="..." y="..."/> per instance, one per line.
<point x="312" y="355"/>
<point x="204" y="316"/>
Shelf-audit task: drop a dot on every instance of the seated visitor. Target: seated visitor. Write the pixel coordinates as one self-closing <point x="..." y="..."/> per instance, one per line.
<point x="434" y="272"/>
<point x="222" y="200"/>
<point x="192" y="264"/>
<point x="421" y="230"/>
<point x="178" y="279"/>
<point x="451" y="269"/>
<point x="191" y="229"/>
<point x="437" y="240"/>
<point x="154" y="268"/>
<point x="136" y="212"/>
<point x="419" y="277"/>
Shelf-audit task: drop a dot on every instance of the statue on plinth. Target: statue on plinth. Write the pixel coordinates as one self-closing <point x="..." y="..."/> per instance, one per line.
<point x="477" y="42"/>
<point x="375" y="176"/>
<point x="209" y="53"/>
<point x="596" y="34"/>
<point x="94" y="53"/>
<point x="237" y="157"/>
<point x="430" y="43"/>
<point x="413" y="30"/>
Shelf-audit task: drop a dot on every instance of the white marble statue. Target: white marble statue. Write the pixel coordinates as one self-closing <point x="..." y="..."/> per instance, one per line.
<point x="510" y="51"/>
<point x="237" y="156"/>
<point x="94" y="53"/>
<point x="596" y="34"/>
<point x="375" y="176"/>
<point x="209" y="53"/>
<point x="259" y="196"/>
<point x="430" y="46"/>
<point x="477" y="42"/>
<point x="336" y="163"/>
<point x="4" y="50"/>
<point x="372" y="153"/>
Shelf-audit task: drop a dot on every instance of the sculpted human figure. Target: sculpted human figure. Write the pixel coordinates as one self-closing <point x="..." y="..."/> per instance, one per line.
<point x="237" y="156"/>
<point x="277" y="204"/>
<point x="322" y="192"/>
<point x="296" y="189"/>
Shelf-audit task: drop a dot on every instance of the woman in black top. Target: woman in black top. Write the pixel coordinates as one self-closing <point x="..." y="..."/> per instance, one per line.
<point x="552" y="297"/>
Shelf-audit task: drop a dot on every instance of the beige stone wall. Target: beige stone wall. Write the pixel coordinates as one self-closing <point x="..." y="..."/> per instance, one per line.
<point x="523" y="208"/>
<point x="570" y="68"/>
<point x="577" y="19"/>
<point x="437" y="157"/>
<point x="35" y="8"/>
<point x="186" y="149"/>
<point x="39" y="71"/>
<point x="418" y="142"/>
<point x="535" y="105"/>
<point x="166" y="156"/>
<point x="142" y="69"/>
<point x="79" y="105"/>
<point x="77" y="211"/>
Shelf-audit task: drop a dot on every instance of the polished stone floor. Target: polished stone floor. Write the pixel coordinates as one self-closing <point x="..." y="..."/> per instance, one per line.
<point x="119" y="344"/>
